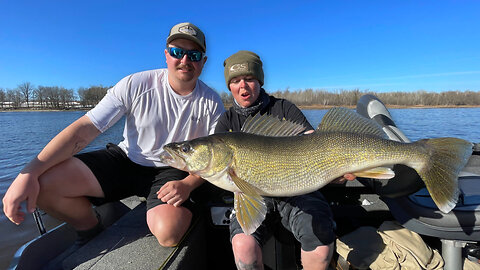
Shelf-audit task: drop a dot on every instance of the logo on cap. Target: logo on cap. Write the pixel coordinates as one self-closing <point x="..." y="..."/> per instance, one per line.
<point x="239" y="67"/>
<point x="187" y="29"/>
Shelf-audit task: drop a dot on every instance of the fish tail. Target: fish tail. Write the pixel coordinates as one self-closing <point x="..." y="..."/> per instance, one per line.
<point x="440" y="173"/>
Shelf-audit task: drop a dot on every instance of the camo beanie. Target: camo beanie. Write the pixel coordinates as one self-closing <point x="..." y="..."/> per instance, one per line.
<point x="243" y="63"/>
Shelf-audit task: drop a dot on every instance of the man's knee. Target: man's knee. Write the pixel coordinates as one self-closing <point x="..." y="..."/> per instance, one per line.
<point x="323" y="253"/>
<point x="166" y="236"/>
<point x="243" y="242"/>
<point x="167" y="240"/>
<point x="247" y="252"/>
<point x="245" y="246"/>
<point x="168" y="223"/>
<point x="319" y="258"/>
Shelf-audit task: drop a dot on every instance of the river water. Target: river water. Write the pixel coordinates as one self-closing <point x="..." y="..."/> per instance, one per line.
<point x="24" y="134"/>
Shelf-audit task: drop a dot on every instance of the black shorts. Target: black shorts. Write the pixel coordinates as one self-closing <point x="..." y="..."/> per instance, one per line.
<point x="120" y="177"/>
<point x="308" y="217"/>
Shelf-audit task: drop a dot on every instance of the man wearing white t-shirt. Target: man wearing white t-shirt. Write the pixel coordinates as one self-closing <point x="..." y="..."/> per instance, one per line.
<point x="160" y="106"/>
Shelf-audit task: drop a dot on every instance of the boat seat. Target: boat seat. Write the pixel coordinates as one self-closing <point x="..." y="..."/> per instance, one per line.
<point x="417" y="211"/>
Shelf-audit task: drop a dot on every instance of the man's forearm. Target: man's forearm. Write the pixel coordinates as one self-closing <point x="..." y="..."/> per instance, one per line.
<point x="193" y="181"/>
<point x="68" y="142"/>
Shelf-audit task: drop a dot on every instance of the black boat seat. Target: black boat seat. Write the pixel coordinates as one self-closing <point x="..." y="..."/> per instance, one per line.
<point x="417" y="212"/>
<point x="455" y="229"/>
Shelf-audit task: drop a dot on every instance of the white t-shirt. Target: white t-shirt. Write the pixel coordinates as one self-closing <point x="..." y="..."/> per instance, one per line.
<point x="155" y="114"/>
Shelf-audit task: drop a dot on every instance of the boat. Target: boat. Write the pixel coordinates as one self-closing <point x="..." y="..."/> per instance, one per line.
<point x="127" y="243"/>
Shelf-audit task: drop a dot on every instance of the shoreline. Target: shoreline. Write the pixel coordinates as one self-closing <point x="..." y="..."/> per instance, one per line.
<point x="389" y="106"/>
<point x="325" y="107"/>
<point x="302" y="107"/>
<point x="42" y="110"/>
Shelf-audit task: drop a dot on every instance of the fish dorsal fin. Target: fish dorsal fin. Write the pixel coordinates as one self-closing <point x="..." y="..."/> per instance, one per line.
<point x="250" y="208"/>
<point x="341" y="119"/>
<point x="269" y="125"/>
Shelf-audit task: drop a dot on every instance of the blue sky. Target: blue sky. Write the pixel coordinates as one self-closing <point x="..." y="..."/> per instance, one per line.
<point x="381" y="46"/>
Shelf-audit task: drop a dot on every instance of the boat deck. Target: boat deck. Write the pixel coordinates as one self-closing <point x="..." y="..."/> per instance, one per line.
<point x="128" y="244"/>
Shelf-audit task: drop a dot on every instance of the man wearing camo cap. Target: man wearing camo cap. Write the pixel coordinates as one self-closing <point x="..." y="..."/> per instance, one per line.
<point x="307" y="216"/>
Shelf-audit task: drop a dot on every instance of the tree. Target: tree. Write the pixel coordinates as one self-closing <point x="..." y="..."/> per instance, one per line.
<point x="14" y="96"/>
<point x="52" y="97"/>
<point x="226" y="97"/>
<point x="91" y="96"/>
<point x="3" y="97"/>
<point x="66" y="97"/>
<point x="40" y="95"/>
<point x="26" y="89"/>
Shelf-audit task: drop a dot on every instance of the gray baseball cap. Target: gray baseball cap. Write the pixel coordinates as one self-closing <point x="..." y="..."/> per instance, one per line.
<point x="188" y="31"/>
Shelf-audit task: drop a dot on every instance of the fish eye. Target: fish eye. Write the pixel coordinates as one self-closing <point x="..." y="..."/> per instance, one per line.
<point x="186" y="148"/>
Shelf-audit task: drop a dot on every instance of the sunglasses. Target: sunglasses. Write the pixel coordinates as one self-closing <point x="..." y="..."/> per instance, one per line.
<point x="178" y="53"/>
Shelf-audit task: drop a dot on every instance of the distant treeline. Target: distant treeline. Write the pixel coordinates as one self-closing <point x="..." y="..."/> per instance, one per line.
<point x="26" y="96"/>
<point x="324" y="98"/>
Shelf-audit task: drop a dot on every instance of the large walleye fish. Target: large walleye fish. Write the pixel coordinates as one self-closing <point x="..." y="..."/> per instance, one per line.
<point x="265" y="159"/>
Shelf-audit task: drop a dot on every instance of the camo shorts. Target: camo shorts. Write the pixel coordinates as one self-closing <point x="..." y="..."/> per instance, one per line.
<point x="120" y="177"/>
<point x="308" y="217"/>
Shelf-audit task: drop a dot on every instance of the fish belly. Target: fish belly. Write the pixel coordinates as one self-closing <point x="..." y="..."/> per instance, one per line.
<point x="223" y="181"/>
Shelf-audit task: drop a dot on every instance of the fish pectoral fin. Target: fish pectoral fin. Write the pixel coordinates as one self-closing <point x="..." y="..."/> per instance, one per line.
<point x="250" y="211"/>
<point x="249" y="206"/>
<point x="376" y="173"/>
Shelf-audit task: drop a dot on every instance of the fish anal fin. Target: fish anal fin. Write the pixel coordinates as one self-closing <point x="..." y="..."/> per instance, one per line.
<point x="376" y="173"/>
<point x="250" y="208"/>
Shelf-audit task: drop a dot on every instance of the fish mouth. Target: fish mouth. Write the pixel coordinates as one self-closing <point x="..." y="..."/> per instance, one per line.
<point x="170" y="158"/>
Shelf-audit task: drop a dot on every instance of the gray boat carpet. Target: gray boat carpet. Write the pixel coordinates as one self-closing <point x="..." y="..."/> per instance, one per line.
<point x="128" y="244"/>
